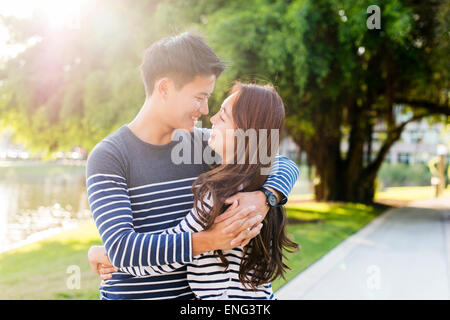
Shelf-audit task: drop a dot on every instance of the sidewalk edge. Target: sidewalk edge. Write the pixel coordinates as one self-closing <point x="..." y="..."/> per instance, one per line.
<point x="302" y="283"/>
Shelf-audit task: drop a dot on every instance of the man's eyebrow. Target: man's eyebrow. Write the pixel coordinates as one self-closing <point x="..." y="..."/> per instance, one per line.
<point x="206" y="94"/>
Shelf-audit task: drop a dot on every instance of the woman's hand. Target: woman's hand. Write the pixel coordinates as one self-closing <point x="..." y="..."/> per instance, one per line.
<point x="100" y="263"/>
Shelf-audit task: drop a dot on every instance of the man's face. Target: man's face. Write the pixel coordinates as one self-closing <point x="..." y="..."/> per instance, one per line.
<point x="186" y="105"/>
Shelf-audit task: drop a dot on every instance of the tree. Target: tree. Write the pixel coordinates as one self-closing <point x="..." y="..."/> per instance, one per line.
<point x="338" y="78"/>
<point x="74" y="86"/>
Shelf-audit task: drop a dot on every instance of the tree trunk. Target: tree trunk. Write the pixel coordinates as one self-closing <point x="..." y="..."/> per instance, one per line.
<point x="327" y="158"/>
<point x="334" y="185"/>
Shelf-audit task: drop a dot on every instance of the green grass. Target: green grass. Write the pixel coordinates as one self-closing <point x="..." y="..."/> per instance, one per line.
<point x="339" y="221"/>
<point x="392" y="193"/>
<point x="39" y="270"/>
<point x="409" y="193"/>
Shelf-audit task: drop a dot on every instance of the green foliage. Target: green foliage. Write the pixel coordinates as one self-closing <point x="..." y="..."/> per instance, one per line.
<point x="309" y="49"/>
<point x="76" y="87"/>
<point x="401" y="174"/>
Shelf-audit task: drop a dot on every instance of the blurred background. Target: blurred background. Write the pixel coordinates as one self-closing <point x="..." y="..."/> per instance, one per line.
<point x="367" y="113"/>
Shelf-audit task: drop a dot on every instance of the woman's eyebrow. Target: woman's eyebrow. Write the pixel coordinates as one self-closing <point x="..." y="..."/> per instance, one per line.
<point x="226" y="110"/>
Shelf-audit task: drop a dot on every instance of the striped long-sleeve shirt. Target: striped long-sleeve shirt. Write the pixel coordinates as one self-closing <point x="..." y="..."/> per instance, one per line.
<point x="208" y="279"/>
<point x="137" y="190"/>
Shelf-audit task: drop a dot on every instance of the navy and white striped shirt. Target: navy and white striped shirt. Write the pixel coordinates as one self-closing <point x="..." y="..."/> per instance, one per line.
<point x="135" y="193"/>
<point x="208" y="279"/>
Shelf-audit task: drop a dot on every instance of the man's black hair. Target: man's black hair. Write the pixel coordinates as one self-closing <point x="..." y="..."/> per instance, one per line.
<point x="180" y="58"/>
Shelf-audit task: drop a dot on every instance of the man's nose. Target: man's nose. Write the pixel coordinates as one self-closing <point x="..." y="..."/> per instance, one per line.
<point x="204" y="108"/>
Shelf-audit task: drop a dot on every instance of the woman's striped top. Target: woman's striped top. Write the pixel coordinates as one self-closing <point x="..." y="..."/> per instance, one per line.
<point x="206" y="277"/>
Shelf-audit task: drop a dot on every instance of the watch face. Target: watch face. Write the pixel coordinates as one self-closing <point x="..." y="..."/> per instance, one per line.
<point x="272" y="200"/>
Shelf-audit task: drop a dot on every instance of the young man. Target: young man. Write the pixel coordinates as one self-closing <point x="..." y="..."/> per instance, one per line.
<point x="135" y="189"/>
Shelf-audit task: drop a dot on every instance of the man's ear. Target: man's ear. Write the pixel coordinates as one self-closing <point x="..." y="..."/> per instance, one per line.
<point x="162" y="87"/>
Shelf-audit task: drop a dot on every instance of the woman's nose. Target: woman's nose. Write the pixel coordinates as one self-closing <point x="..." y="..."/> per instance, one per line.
<point x="213" y="119"/>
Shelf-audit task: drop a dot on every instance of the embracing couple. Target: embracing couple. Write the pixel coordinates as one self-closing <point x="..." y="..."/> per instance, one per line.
<point x="196" y="229"/>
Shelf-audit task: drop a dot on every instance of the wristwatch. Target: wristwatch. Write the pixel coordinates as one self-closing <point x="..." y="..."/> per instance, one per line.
<point x="271" y="198"/>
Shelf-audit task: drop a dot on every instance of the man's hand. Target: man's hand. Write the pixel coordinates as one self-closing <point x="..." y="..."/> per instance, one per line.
<point x="100" y="263"/>
<point x="246" y="200"/>
<point x="256" y="201"/>
<point x="221" y="234"/>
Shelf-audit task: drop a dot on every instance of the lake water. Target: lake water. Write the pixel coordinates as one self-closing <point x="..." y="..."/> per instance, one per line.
<point x="38" y="199"/>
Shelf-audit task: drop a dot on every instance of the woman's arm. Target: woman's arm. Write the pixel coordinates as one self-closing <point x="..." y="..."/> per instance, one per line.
<point x="100" y="263"/>
<point x="190" y="223"/>
<point x="111" y="209"/>
<point x="219" y="236"/>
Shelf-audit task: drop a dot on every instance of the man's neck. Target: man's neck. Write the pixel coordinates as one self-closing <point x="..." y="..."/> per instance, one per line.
<point x="149" y="127"/>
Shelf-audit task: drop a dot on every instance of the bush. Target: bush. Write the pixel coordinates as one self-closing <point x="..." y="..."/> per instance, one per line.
<point x="401" y="174"/>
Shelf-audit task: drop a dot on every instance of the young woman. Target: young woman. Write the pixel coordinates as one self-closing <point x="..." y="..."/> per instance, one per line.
<point x="242" y="135"/>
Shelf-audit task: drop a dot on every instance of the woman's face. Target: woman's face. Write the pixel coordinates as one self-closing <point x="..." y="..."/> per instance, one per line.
<point x="223" y="129"/>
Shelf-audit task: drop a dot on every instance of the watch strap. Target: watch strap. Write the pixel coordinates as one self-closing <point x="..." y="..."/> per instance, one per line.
<point x="268" y="193"/>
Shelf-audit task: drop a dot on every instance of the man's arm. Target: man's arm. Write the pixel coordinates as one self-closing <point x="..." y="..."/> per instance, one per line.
<point x="201" y="242"/>
<point x="111" y="208"/>
<point x="190" y="223"/>
<point x="283" y="175"/>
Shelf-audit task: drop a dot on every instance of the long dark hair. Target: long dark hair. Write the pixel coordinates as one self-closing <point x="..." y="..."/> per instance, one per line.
<point x="255" y="107"/>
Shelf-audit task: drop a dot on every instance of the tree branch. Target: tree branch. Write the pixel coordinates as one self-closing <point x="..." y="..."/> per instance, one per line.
<point x="433" y="108"/>
<point x="393" y="136"/>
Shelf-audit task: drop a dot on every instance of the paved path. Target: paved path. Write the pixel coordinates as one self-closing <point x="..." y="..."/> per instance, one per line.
<point x="402" y="254"/>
